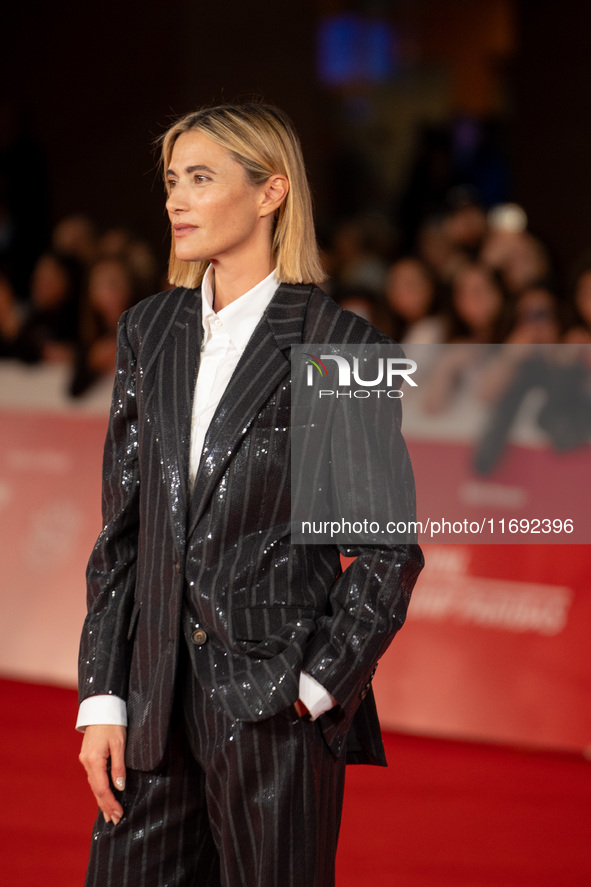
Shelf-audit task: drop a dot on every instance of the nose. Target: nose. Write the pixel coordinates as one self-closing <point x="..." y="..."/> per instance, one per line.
<point x="177" y="199"/>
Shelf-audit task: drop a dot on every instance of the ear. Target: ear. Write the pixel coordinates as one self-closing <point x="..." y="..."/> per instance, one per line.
<point x="273" y="193"/>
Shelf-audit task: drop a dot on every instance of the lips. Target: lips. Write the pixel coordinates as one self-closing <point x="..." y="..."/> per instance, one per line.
<point x="181" y="230"/>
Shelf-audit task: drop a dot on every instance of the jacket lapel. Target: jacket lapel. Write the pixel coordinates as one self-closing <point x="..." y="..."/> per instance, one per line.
<point x="176" y="369"/>
<point x="265" y="361"/>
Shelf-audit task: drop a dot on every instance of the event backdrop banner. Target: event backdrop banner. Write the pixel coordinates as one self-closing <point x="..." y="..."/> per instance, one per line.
<point x="49" y="520"/>
<point x="495" y="648"/>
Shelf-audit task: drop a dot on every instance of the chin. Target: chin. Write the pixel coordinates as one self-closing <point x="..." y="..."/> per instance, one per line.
<point x="186" y="256"/>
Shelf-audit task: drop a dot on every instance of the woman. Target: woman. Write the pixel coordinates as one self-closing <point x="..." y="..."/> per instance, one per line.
<point x="411" y="295"/>
<point x="110" y="290"/>
<point x="228" y="667"/>
<point x="479" y="307"/>
<point x="49" y="330"/>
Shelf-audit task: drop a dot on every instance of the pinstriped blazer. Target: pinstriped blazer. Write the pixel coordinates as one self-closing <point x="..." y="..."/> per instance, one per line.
<point x="219" y="556"/>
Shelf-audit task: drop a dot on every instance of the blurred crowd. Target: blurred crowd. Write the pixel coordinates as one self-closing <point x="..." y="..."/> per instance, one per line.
<point x="68" y="308"/>
<point x="468" y="275"/>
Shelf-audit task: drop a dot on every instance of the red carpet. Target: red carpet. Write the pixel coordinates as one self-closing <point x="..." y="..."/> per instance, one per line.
<point x="444" y="814"/>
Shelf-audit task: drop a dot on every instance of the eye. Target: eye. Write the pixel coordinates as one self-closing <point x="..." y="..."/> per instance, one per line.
<point x="200" y="178"/>
<point x="170" y="183"/>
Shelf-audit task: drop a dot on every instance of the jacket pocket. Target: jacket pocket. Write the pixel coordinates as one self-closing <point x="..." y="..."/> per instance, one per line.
<point x="256" y="624"/>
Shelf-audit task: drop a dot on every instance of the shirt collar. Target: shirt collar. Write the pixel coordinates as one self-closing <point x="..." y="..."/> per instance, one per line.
<point x="241" y="316"/>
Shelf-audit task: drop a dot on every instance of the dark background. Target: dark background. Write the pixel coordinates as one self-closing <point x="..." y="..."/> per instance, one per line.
<point x="89" y="89"/>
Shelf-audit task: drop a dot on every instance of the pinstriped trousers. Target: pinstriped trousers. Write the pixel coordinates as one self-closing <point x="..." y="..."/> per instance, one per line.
<point x="234" y="804"/>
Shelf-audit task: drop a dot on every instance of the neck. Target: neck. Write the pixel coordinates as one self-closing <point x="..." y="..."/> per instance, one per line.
<point x="230" y="284"/>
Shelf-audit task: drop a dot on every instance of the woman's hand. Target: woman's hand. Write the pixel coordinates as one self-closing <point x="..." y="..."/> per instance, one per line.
<point x="101" y="742"/>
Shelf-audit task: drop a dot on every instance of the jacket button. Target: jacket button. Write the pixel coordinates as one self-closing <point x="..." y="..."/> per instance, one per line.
<point x="199" y="637"/>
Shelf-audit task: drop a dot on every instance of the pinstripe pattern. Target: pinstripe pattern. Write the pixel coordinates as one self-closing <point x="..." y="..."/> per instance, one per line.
<point x="220" y="558"/>
<point x="164" y="838"/>
<point x="269" y="798"/>
<point x="274" y="795"/>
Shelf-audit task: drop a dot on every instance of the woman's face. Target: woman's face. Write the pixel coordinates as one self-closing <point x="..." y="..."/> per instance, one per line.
<point x="49" y="283"/>
<point x="477" y="299"/>
<point x="109" y="290"/>
<point x="409" y="291"/>
<point x="216" y="213"/>
<point x="536" y="316"/>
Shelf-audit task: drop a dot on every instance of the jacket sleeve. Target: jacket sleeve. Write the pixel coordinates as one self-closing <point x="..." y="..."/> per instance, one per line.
<point x="373" y="481"/>
<point x="105" y="646"/>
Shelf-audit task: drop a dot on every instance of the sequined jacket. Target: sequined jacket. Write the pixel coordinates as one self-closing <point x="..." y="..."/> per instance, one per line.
<point x="219" y="558"/>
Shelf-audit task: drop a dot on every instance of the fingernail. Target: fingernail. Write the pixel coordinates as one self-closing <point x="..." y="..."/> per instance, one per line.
<point x="120" y="783"/>
<point x="107" y="818"/>
<point x="115" y="819"/>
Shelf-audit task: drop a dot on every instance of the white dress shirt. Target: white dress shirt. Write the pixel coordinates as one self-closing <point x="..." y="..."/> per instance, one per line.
<point x="225" y="336"/>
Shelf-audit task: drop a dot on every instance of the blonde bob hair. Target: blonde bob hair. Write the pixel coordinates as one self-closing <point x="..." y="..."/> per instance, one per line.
<point x="262" y="139"/>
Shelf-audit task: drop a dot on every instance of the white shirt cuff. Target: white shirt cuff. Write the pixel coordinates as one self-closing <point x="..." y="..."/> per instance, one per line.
<point x="316" y="699"/>
<point x="101" y="709"/>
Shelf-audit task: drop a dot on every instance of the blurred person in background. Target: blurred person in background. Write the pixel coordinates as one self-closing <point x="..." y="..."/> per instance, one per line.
<point x="478" y="314"/>
<point x="479" y="308"/>
<point x="49" y="330"/>
<point x="114" y="243"/>
<point x="537" y="317"/>
<point x="520" y="258"/>
<point x="110" y="291"/>
<point x="465" y="222"/>
<point x="364" y="303"/>
<point x="526" y="263"/>
<point x="436" y="248"/>
<point x="143" y="265"/>
<point x="537" y="321"/>
<point x="357" y="253"/>
<point x="411" y="299"/>
<point x="579" y="330"/>
<point x="76" y="236"/>
<point x="10" y="319"/>
<point x="560" y="377"/>
<point x="120" y="243"/>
